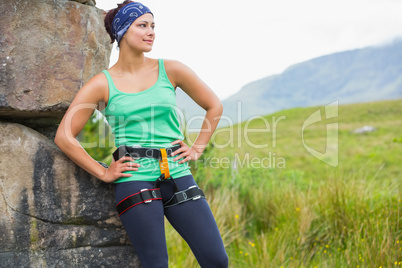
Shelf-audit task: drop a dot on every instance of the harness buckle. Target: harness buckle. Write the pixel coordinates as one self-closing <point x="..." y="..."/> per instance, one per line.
<point x="147" y="199"/>
<point x="169" y="151"/>
<point x="197" y="196"/>
<point x="184" y="195"/>
<point x="151" y="153"/>
<point x="135" y="155"/>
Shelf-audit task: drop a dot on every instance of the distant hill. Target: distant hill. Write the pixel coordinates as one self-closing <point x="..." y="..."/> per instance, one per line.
<point x="360" y="75"/>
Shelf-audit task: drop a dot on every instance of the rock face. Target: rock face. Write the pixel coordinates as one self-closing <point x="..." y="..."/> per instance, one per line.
<point x="86" y="2"/>
<point x="53" y="213"/>
<point x="49" y="49"/>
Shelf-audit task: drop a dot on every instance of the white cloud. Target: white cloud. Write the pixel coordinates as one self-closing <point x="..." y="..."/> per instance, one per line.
<point x="231" y="43"/>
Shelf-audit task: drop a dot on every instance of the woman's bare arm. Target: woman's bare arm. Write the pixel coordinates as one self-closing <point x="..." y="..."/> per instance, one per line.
<point x="182" y="76"/>
<point x="80" y="110"/>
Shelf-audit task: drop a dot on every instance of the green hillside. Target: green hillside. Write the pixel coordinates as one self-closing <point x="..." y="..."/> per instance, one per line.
<point x="369" y="151"/>
<point x="306" y="213"/>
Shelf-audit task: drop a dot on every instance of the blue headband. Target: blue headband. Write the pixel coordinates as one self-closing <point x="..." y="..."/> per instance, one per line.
<point x="125" y="17"/>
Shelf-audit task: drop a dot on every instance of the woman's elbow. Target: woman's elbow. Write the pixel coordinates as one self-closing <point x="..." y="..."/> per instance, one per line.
<point x="60" y="138"/>
<point x="219" y="107"/>
<point x="57" y="139"/>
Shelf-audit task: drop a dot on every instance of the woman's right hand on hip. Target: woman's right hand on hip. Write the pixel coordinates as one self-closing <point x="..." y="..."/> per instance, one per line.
<point x="117" y="168"/>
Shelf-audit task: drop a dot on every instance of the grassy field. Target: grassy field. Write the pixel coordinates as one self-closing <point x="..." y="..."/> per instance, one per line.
<point x="279" y="206"/>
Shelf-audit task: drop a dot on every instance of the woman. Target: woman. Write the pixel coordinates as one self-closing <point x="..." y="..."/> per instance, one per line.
<point x="151" y="173"/>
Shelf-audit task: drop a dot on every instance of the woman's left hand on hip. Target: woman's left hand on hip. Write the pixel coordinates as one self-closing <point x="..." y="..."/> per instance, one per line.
<point x="185" y="153"/>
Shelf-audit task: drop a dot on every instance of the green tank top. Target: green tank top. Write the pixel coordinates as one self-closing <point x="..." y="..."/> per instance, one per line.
<point x="147" y="119"/>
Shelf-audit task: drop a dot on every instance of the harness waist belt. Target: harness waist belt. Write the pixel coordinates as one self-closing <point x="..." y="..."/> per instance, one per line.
<point x="192" y="193"/>
<point x="139" y="152"/>
<point x="144" y="196"/>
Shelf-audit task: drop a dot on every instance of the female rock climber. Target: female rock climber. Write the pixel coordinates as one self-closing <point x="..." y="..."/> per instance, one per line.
<point x="150" y="170"/>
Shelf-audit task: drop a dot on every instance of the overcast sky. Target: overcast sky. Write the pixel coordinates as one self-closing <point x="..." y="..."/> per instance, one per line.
<point x="231" y="43"/>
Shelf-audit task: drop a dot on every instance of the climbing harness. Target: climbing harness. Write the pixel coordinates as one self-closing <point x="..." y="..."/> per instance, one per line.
<point x="144" y="196"/>
<point x="139" y="152"/>
<point x="192" y="193"/>
<point x="147" y="195"/>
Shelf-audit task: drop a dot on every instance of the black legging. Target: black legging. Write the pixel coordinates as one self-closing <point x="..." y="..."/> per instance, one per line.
<point x="193" y="220"/>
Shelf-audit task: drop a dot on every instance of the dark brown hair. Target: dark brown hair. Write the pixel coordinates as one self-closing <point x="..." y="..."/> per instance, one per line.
<point x="110" y="16"/>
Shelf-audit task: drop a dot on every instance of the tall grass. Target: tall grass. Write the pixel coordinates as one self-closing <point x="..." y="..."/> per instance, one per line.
<point x="306" y="213"/>
<point x="309" y="214"/>
<point x="352" y="220"/>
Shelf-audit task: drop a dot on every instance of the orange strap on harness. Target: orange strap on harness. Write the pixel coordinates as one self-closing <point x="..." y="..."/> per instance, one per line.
<point x="163" y="164"/>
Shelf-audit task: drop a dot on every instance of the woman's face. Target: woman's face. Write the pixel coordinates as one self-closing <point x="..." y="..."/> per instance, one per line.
<point x="141" y="35"/>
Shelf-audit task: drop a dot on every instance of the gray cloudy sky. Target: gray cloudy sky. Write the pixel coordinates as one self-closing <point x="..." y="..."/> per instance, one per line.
<point x="231" y="43"/>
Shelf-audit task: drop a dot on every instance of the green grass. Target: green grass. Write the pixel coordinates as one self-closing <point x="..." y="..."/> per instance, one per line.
<point x="306" y="213"/>
<point x="282" y="207"/>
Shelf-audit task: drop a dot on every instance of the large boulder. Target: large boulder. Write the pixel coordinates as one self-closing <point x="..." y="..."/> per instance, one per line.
<point x="86" y="2"/>
<point x="48" y="50"/>
<point x="54" y="214"/>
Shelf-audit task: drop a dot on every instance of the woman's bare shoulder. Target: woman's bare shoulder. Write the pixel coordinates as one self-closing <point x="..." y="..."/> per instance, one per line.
<point x="177" y="71"/>
<point x="99" y="81"/>
<point x="173" y="65"/>
<point x="96" y="88"/>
